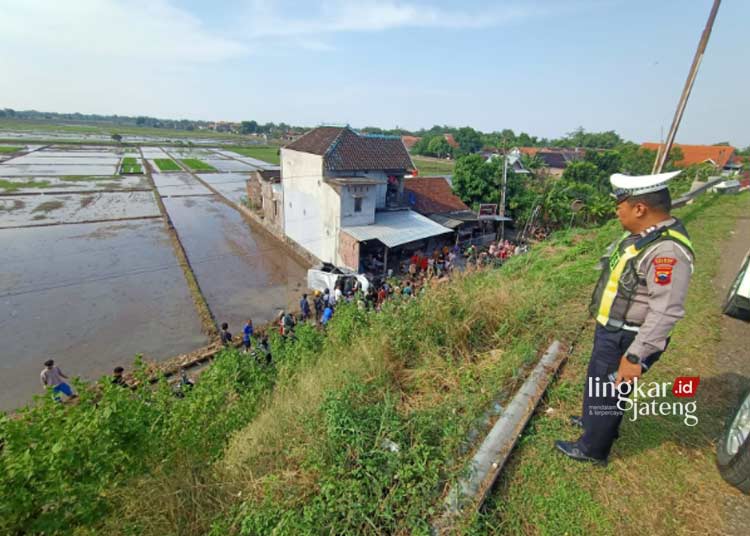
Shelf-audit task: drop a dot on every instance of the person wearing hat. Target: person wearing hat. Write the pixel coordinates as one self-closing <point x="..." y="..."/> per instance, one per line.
<point x="636" y="303"/>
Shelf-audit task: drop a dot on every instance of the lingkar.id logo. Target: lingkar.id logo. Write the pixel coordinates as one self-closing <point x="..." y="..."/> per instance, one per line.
<point x="643" y="399"/>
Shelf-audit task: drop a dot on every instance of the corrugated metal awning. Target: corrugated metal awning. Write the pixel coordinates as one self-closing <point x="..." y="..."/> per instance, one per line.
<point x="396" y="228"/>
<point x="447" y="221"/>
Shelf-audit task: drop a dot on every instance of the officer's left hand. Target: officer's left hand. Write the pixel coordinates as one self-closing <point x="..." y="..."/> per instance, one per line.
<point x="627" y="372"/>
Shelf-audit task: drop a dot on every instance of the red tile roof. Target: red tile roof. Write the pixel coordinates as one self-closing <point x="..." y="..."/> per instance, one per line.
<point x="451" y="140"/>
<point x="720" y="155"/>
<point x="343" y="149"/>
<point x="410" y="141"/>
<point x="433" y="195"/>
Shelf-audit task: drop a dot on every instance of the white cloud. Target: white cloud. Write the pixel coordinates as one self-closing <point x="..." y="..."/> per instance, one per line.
<point x="331" y="16"/>
<point x="145" y="30"/>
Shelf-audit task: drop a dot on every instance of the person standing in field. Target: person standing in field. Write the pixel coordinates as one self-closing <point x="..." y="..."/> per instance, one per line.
<point x="226" y="337"/>
<point x="52" y="378"/>
<point x="318" y="302"/>
<point x="304" y="307"/>
<point x="247" y="335"/>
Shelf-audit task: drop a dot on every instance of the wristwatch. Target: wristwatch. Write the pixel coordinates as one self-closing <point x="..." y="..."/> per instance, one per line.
<point x="633" y="358"/>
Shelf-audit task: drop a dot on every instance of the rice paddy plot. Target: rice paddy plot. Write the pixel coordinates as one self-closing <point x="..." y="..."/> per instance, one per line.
<point x="166" y="164"/>
<point x="130" y="166"/>
<point x="55" y="169"/>
<point x="179" y="184"/>
<point x="63" y="184"/>
<point x="232" y="186"/>
<point x="227" y="165"/>
<point x="197" y="165"/>
<point x="92" y="296"/>
<point x="31" y="210"/>
<point x="265" y="154"/>
<point x="5" y="149"/>
<point x="69" y="160"/>
<point x="242" y="273"/>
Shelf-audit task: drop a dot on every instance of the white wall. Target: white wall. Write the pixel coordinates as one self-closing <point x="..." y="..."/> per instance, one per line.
<point x="368" y="193"/>
<point x="312" y="209"/>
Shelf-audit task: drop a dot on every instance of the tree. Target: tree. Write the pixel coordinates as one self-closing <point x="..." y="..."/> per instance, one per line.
<point x="248" y="127"/>
<point x="469" y="140"/>
<point x="439" y="147"/>
<point x="422" y="146"/>
<point x="524" y="140"/>
<point x="476" y="181"/>
<point x="116" y="137"/>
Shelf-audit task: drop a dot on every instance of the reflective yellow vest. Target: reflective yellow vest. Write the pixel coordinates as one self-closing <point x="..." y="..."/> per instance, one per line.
<point x="619" y="280"/>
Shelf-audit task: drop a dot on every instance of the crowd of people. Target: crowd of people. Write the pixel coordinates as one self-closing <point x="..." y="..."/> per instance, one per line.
<point x="422" y="269"/>
<point x="494" y="253"/>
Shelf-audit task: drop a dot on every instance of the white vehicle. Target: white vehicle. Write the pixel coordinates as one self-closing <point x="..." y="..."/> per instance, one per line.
<point x="737" y="303"/>
<point x="327" y="276"/>
<point x="733" y="453"/>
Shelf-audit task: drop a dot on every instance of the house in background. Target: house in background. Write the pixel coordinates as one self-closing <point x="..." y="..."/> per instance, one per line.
<point x="433" y="197"/>
<point x="554" y="159"/>
<point x="451" y="141"/>
<point x="722" y="157"/>
<point x="344" y="197"/>
<point x="514" y="159"/>
<point x="410" y="141"/>
<point x="265" y="193"/>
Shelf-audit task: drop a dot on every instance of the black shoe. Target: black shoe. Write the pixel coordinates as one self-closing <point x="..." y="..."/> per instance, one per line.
<point x="573" y="450"/>
<point x="576" y="420"/>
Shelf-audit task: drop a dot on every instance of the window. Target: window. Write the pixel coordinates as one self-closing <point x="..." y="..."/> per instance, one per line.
<point x="275" y="209"/>
<point x="357" y="204"/>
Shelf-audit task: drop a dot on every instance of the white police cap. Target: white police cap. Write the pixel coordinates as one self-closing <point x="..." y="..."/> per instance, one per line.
<point x="625" y="186"/>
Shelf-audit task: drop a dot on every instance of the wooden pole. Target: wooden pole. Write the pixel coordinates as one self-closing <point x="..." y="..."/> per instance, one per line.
<point x="663" y="153"/>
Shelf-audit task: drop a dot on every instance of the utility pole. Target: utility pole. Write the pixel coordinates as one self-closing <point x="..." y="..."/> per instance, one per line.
<point x="504" y="189"/>
<point x="663" y="153"/>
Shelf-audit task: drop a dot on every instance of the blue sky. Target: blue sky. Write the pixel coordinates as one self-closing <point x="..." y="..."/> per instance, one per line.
<point x="544" y="67"/>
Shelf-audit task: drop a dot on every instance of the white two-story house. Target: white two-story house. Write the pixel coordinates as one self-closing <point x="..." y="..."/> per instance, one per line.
<point x="344" y="195"/>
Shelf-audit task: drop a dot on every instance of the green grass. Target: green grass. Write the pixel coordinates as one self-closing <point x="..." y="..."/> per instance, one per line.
<point x="108" y="129"/>
<point x="7" y="186"/>
<point x="197" y="165"/>
<point x="7" y="149"/>
<point x="303" y="448"/>
<point x="657" y="460"/>
<point x="167" y="164"/>
<point x="130" y="166"/>
<point x="433" y="166"/>
<point x="267" y="154"/>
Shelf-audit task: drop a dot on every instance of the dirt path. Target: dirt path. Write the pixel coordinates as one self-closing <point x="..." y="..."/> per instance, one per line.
<point x="733" y="359"/>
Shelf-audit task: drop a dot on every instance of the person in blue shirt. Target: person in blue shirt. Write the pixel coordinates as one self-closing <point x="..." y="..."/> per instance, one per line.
<point x="247" y="335"/>
<point x="327" y="314"/>
<point x="304" y="307"/>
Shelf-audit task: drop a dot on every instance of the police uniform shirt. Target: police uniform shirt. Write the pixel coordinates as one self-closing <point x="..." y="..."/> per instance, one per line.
<point x="664" y="273"/>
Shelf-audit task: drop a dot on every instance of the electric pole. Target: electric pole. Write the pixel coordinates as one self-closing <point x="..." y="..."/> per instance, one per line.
<point x="663" y="153"/>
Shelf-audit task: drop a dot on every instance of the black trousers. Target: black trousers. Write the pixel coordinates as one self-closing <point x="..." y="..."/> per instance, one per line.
<point x="601" y="417"/>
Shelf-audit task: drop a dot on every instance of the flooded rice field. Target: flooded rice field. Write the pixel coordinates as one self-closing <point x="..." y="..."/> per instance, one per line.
<point x="228" y="165"/>
<point x="175" y="184"/>
<point x="242" y="272"/>
<point x="11" y="169"/>
<point x="90" y="296"/>
<point x="88" y="273"/>
<point x="232" y="186"/>
<point x="48" y="185"/>
<point x="30" y="210"/>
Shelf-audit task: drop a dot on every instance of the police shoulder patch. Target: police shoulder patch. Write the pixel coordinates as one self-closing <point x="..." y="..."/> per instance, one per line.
<point x="663" y="269"/>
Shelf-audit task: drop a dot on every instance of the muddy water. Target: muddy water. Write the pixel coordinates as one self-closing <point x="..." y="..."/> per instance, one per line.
<point x="90" y="296"/>
<point x="242" y="272"/>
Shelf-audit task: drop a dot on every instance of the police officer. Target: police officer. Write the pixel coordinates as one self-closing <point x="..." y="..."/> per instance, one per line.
<point x="636" y="303"/>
